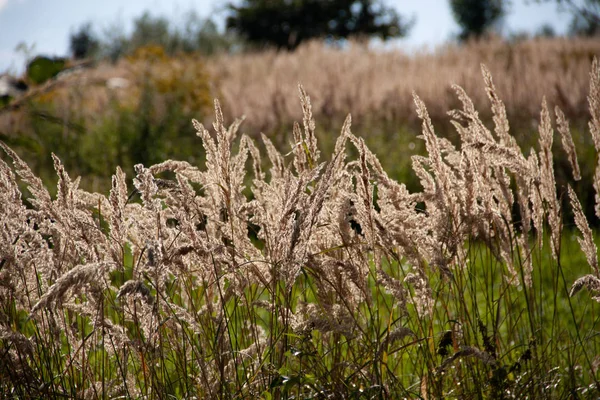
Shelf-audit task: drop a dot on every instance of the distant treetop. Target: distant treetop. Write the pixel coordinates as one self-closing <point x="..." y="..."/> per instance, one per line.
<point x="84" y="43"/>
<point x="287" y="23"/>
<point x="477" y="17"/>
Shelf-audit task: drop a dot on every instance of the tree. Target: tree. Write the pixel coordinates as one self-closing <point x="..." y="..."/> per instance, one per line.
<point x="84" y="43"/>
<point x="194" y="35"/>
<point x="477" y="17"/>
<point x="203" y="36"/>
<point x="149" y="30"/>
<point x="287" y="23"/>
<point x="586" y="16"/>
<point x="211" y="41"/>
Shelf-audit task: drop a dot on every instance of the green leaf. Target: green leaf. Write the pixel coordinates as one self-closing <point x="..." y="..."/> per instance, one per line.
<point x="41" y="68"/>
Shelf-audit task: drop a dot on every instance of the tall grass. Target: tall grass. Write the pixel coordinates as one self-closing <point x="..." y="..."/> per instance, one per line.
<point x="375" y="85"/>
<point x="276" y="275"/>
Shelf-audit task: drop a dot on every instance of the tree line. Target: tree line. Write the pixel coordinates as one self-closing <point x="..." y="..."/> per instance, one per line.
<point x="285" y="24"/>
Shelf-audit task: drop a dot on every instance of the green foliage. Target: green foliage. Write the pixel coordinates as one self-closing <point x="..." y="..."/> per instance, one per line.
<point x="42" y="68"/>
<point x="146" y="126"/>
<point x="209" y="41"/>
<point x="149" y="30"/>
<point x="195" y="35"/>
<point x="477" y="17"/>
<point x="286" y="24"/>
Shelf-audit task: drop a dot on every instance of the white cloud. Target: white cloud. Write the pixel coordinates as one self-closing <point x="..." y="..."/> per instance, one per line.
<point x="3" y="4"/>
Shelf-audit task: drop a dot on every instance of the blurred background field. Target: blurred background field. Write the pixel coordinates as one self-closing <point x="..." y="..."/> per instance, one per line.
<point x="139" y="109"/>
<point x="125" y="97"/>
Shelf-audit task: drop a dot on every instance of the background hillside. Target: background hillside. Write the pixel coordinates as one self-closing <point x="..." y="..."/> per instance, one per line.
<point x="139" y="108"/>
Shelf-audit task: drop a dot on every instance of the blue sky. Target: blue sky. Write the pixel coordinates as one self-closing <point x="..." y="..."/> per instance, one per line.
<point x="46" y="24"/>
